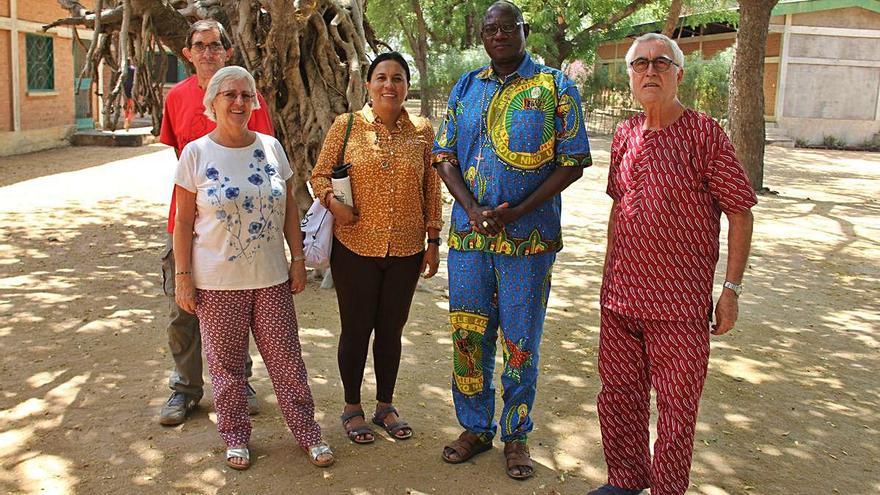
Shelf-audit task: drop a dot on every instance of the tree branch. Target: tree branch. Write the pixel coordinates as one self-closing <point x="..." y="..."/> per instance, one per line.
<point x="611" y="21"/>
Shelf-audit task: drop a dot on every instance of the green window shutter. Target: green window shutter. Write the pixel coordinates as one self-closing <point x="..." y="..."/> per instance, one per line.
<point x="181" y="69"/>
<point x="40" y="62"/>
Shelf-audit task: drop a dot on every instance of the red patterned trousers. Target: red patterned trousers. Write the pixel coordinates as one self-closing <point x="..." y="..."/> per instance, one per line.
<point x="226" y="318"/>
<point x="634" y="355"/>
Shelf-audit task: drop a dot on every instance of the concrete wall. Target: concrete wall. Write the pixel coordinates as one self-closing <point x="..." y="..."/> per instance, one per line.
<point x="852" y="18"/>
<point x="832" y="81"/>
<point x="16" y="143"/>
<point x="831" y="92"/>
<point x="834" y="47"/>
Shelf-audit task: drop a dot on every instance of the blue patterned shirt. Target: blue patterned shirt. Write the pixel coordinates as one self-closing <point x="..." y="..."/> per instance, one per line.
<point x="507" y="136"/>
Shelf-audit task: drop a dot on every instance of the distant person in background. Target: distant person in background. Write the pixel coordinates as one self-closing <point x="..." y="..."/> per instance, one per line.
<point x="673" y="173"/>
<point x="183" y="120"/>
<point x="127" y="89"/>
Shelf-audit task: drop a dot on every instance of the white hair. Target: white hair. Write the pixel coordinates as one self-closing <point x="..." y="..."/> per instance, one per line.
<point x="231" y="73"/>
<point x="677" y="55"/>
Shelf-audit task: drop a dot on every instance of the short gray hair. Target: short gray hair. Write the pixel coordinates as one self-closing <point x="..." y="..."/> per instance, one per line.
<point x="230" y="73"/>
<point x="677" y="55"/>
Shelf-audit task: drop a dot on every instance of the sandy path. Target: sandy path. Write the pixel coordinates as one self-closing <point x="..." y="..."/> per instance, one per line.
<point x="791" y="404"/>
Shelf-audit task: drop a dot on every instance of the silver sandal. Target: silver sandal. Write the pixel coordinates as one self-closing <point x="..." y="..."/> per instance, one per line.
<point x="241" y="453"/>
<point x="318" y="450"/>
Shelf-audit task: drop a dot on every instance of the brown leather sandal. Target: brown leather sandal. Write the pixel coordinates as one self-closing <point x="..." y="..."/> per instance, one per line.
<point x="466" y="446"/>
<point x="517" y="455"/>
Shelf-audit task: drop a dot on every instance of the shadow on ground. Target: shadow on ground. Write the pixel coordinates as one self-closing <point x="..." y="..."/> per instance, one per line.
<point x="790" y="404"/>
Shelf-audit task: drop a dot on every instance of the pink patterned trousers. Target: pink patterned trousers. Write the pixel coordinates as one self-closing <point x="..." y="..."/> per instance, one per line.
<point x="226" y="318"/>
<point x="634" y="355"/>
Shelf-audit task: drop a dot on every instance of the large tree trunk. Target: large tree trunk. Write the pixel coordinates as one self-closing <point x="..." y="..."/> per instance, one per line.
<point x="307" y="58"/>
<point x="421" y="55"/>
<point x="672" y="18"/>
<point x="308" y="63"/>
<point x="746" y="106"/>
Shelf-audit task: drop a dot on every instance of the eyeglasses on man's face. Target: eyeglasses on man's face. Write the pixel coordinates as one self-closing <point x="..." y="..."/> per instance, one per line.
<point x="245" y="96"/>
<point x="200" y="47"/>
<point x="489" y="30"/>
<point x="661" y="64"/>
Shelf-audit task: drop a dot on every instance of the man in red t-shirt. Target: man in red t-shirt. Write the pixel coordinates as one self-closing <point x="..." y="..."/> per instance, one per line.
<point x="208" y="48"/>
<point x="673" y="173"/>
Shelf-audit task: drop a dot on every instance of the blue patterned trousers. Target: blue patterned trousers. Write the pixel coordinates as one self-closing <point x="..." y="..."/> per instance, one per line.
<point x="494" y="296"/>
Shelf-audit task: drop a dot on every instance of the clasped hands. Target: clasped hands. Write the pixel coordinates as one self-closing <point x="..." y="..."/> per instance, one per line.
<point x="490" y="221"/>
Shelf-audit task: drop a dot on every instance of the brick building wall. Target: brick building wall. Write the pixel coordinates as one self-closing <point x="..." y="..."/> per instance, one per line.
<point x="39" y="109"/>
<point x="5" y="80"/>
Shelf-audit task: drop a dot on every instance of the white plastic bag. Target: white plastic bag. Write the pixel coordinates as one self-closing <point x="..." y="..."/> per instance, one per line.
<point x="317" y="230"/>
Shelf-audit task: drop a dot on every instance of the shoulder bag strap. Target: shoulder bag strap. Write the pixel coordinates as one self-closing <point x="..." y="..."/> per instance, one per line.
<point x="345" y="141"/>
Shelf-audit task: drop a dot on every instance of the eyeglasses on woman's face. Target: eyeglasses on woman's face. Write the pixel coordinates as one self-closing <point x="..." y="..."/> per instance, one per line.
<point x="661" y="64"/>
<point x="231" y="96"/>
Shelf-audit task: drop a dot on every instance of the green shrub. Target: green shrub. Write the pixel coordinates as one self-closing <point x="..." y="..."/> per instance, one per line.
<point x="444" y="69"/>
<point x="704" y="87"/>
<point x="706" y="83"/>
<point x="833" y="142"/>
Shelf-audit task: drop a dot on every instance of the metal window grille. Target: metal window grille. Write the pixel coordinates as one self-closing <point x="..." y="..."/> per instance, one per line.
<point x="40" y="63"/>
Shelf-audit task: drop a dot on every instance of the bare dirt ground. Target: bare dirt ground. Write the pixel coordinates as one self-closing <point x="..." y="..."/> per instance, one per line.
<point x="790" y="407"/>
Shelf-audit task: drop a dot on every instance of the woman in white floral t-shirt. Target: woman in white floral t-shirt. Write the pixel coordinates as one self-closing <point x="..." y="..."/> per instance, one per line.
<point x="235" y="210"/>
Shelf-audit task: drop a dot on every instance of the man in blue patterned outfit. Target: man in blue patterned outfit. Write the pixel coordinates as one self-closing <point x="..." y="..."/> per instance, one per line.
<point x="512" y="140"/>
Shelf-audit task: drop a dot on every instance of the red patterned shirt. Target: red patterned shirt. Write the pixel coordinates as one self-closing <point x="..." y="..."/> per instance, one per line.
<point x="670" y="187"/>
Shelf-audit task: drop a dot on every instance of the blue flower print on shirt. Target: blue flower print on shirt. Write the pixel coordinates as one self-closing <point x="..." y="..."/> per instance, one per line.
<point x="254" y="215"/>
<point x="248" y="204"/>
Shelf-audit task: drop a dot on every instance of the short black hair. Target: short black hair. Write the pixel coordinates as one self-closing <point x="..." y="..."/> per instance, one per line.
<point x="395" y="56"/>
<point x="207" y="25"/>
<point x="517" y="12"/>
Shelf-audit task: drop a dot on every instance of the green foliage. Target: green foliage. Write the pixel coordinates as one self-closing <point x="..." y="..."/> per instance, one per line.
<point x="801" y="143"/>
<point x="607" y="86"/>
<point x="706" y="83"/>
<point x="704" y="87"/>
<point x="833" y="142"/>
<point x="446" y="68"/>
<point x="696" y="12"/>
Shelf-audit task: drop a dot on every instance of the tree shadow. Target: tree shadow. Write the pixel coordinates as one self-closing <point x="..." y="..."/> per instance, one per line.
<point x="790" y="403"/>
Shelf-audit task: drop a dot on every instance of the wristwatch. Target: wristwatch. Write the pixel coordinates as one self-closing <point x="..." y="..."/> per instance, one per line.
<point x="736" y="288"/>
<point x="434" y="240"/>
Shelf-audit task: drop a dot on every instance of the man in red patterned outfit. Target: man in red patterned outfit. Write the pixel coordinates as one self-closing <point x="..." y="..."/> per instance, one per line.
<point x="673" y="172"/>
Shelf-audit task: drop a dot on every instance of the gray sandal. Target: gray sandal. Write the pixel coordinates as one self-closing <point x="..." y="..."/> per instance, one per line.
<point x="393" y="428"/>
<point x="354" y="433"/>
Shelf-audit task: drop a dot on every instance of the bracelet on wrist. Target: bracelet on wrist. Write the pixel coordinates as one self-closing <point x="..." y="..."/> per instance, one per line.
<point x="298" y="258"/>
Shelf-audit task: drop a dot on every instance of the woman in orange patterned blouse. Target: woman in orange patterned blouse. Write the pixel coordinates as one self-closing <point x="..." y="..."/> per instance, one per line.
<point x="379" y="245"/>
